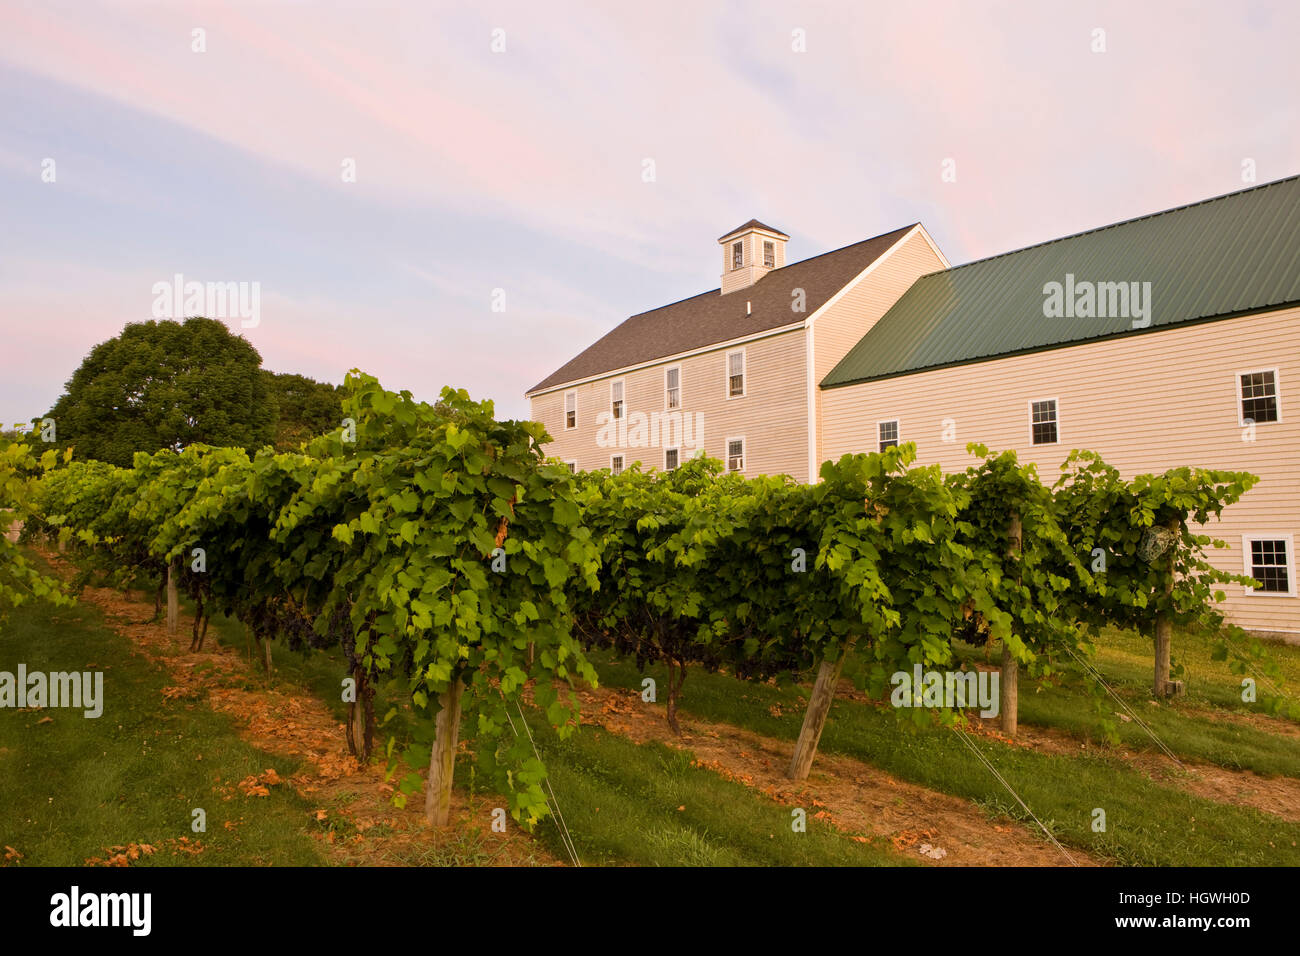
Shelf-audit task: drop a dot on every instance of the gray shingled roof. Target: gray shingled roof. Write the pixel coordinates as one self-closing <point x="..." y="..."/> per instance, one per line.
<point x="1220" y="257"/>
<point x="711" y="317"/>
<point x="752" y="224"/>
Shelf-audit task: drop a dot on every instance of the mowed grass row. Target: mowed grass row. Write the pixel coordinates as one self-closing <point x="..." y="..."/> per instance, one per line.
<point x="1147" y="824"/>
<point x="624" y="803"/>
<point x="1128" y="655"/>
<point x="71" y="787"/>
<point x="647" y="804"/>
<point x="1199" y="726"/>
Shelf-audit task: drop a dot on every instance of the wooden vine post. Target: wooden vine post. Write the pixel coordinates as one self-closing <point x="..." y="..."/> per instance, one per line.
<point x="819" y="708"/>
<point x="361" y="717"/>
<point x="1009" y="692"/>
<point x="356" y="726"/>
<point x="1164" y="625"/>
<point x="442" y="762"/>
<point x="173" y="599"/>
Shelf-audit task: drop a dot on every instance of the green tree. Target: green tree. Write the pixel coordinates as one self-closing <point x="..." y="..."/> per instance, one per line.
<point x="306" y="408"/>
<point x="165" y="385"/>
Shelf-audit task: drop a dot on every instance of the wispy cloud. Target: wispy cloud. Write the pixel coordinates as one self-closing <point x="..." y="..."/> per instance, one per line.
<point x="524" y="169"/>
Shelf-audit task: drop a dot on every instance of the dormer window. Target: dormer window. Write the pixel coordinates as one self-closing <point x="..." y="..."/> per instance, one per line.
<point x="749" y="252"/>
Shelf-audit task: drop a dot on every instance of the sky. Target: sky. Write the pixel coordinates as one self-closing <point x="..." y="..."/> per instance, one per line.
<point x="470" y="194"/>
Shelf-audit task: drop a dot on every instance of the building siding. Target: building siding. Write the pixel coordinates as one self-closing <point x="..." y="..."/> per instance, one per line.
<point x="844" y="323"/>
<point x="771" y="417"/>
<point x="1145" y="403"/>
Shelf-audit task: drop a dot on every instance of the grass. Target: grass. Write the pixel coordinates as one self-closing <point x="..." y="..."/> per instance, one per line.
<point x="619" y="798"/>
<point x="1128" y="656"/>
<point x="1149" y="824"/>
<point x="71" y="787"/>
<point x="646" y="804"/>
<point x="1198" y="726"/>
<point x="134" y="774"/>
<point x="1189" y="734"/>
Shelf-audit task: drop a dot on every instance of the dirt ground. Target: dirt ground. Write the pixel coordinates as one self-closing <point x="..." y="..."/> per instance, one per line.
<point x="1245" y="788"/>
<point x="848" y="794"/>
<point x="350" y="800"/>
<point x="1277" y="795"/>
<point x="934" y="828"/>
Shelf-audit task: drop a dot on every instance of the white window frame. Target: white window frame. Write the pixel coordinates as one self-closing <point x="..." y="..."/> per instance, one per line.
<point x="622" y="384"/>
<point x="744" y="455"/>
<point x="744" y="374"/>
<point x="732" y="251"/>
<point x="567" y="426"/>
<point x="1248" y="570"/>
<point x="1277" y="394"/>
<point x="573" y="465"/>
<point x="679" y="458"/>
<point x="622" y="466"/>
<point x="667" y="369"/>
<point x="769" y="243"/>
<point x="898" y="427"/>
<point x="1056" y="405"/>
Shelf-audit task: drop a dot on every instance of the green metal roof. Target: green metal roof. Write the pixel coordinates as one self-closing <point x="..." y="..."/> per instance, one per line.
<point x="1225" y="256"/>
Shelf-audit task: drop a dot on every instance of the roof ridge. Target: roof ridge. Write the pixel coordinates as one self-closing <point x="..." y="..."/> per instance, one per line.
<point x="1122" y="222"/>
<point x="750" y="226"/>
<point x="1065" y="343"/>
<point x="668" y="305"/>
<point x="850" y="245"/>
<point x="708" y="318"/>
<point x="771" y="272"/>
<point x="963" y="315"/>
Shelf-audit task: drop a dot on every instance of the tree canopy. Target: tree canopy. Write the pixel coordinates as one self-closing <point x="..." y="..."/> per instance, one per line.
<point x="305" y="408"/>
<point x="168" y="384"/>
